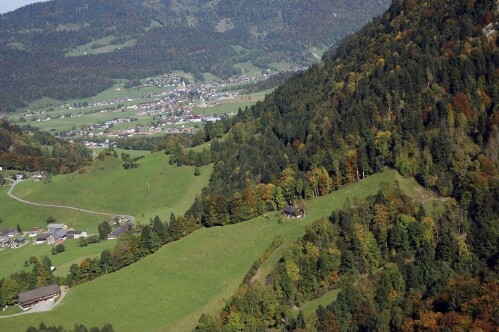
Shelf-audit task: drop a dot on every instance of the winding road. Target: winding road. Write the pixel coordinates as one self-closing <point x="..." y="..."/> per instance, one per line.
<point x="10" y="194"/>
<point x="49" y="306"/>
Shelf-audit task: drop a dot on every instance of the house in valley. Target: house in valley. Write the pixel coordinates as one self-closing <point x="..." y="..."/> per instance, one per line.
<point x="34" y="231"/>
<point x="42" y="238"/>
<point x="10" y="232"/>
<point x="4" y="241"/>
<point x="18" y="243"/>
<point x="118" y="231"/>
<point x="55" y="227"/>
<point x="57" y="237"/>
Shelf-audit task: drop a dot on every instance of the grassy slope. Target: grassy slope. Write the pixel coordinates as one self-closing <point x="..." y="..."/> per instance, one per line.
<point x="154" y="188"/>
<point x="13" y="213"/>
<point x="169" y="290"/>
<point x="13" y="260"/>
<point x="114" y="190"/>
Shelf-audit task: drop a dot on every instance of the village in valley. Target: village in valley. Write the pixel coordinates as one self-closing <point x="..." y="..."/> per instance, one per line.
<point x="175" y="106"/>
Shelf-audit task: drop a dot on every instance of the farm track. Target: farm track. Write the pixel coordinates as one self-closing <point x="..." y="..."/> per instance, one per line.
<point x="11" y="195"/>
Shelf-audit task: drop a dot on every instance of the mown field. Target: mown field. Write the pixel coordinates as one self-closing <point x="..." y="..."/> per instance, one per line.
<point x="169" y="290"/>
<point x="154" y="188"/>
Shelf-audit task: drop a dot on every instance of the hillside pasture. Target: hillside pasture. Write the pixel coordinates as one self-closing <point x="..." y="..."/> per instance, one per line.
<point x="169" y="290"/>
<point x="15" y="213"/>
<point x="13" y="259"/>
<point x="154" y="188"/>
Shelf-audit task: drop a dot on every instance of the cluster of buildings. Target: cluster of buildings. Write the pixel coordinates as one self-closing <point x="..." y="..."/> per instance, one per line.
<point x="58" y="233"/>
<point x="10" y="238"/>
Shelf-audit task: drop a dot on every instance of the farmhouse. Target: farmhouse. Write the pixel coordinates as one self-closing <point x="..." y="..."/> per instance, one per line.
<point x="118" y="231"/>
<point x="293" y="212"/>
<point x="18" y="243"/>
<point x="57" y="236"/>
<point x="42" y="238"/>
<point x="34" y="231"/>
<point x="10" y="232"/>
<point x="29" y="298"/>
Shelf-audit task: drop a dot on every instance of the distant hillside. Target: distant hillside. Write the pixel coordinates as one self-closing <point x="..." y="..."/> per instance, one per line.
<point x="38" y="151"/>
<point x="74" y="48"/>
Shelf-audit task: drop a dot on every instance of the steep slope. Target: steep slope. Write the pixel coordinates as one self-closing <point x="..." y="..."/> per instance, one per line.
<point x="74" y="48"/>
<point x="417" y="90"/>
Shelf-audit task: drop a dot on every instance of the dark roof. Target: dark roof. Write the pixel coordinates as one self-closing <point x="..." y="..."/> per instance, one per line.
<point x="73" y="232"/>
<point x="59" y="234"/>
<point x="120" y="230"/>
<point x="38" y="293"/>
<point x="9" y="231"/>
<point x="292" y="210"/>
<point x="19" y="240"/>
<point x="43" y="237"/>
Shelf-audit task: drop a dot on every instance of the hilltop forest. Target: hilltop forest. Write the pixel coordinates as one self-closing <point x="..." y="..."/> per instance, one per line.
<point x="66" y="49"/>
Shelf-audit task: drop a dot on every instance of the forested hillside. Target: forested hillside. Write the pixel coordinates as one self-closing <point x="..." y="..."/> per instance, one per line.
<point x="416" y="90"/>
<point x="394" y="268"/>
<point x="75" y="48"/>
<point x="38" y="151"/>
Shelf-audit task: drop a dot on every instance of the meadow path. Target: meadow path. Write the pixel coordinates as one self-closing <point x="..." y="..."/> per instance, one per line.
<point x="14" y="184"/>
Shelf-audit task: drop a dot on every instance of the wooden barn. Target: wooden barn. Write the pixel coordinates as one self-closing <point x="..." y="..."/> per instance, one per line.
<point x="29" y="298"/>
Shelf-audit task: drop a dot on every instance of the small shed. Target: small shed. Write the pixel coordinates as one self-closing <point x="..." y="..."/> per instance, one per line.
<point x="29" y="298"/>
<point x="293" y="212"/>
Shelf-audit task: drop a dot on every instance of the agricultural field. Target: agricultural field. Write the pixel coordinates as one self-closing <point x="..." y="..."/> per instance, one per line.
<point x="154" y="188"/>
<point x="194" y="275"/>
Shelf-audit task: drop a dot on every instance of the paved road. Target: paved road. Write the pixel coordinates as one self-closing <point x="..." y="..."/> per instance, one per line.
<point x="10" y="194"/>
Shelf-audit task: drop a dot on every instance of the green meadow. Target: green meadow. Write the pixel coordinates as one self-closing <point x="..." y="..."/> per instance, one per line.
<point x="14" y="213"/>
<point x="13" y="259"/>
<point x="154" y="188"/>
<point x="169" y="290"/>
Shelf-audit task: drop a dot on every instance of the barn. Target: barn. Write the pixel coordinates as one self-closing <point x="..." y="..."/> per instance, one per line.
<point x="29" y="298"/>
